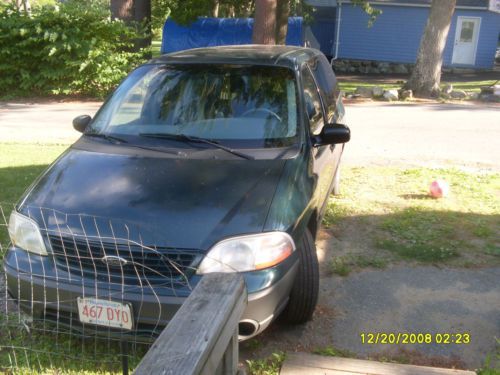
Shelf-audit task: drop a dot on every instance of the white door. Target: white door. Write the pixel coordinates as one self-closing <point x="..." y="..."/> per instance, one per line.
<point x="466" y="38"/>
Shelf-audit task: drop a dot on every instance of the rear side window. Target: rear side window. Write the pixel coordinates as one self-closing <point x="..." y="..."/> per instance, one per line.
<point x="312" y="102"/>
<point x="327" y="84"/>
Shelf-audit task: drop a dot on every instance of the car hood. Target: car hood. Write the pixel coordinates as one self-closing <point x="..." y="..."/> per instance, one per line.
<point x="159" y="201"/>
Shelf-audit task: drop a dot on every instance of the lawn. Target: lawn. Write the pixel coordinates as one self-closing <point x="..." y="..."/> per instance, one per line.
<point x="385" y="215"/>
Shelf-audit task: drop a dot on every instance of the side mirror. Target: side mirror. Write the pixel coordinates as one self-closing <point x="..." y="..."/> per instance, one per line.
<point x="81" y="122"/>
<point x="333" y="134"/>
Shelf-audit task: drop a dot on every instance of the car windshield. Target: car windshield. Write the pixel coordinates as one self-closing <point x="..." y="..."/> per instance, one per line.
<point x="244" y="106"/>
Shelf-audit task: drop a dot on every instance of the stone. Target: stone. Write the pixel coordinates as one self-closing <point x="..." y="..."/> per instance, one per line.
<point x="364" y="92"/>
<point x="447" y="89"/>
<point x="377" y="91"/>
<point x="496" y="90"/>
<point x="391" y="95"/>
<point x="458" y="94"/>
<point x="406" y="94"/>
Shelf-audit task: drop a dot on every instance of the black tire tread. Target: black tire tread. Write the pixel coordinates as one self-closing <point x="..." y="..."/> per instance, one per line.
<point x="304" y="294"/>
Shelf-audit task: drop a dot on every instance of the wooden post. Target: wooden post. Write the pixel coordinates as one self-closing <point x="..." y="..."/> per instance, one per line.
<point x="202" y="338"/>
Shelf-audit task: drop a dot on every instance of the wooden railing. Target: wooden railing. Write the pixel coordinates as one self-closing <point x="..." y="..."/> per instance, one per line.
<point x="202" y="338"/>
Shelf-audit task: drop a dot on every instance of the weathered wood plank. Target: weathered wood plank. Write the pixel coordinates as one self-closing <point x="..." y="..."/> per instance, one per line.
<point x="195" y="341"/>
<point x="310" y="364"/>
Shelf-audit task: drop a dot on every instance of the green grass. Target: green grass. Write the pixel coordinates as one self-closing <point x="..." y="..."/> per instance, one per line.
<point x="492" y="362"/>
<point x="36" y="352"/>
<point x="343" y="265"/>
<point x="330" y="351"/>
<point x="267" y="366"/>
<point x="350" y="87"/>
<point x="470" y="86"/>
<point x="389" y="211"/>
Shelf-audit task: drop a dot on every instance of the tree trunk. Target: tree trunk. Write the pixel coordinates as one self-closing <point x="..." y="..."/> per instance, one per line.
<point x="215" y="9"/>
<point x="426" y="75"/>
<point x="134" y="11"/>
<point x="123" y="10"/>
<point x="282" y="12"/>
<point x="142" y="14"/>
<point x="264" y="27"/>
<point x="27" y="7"/>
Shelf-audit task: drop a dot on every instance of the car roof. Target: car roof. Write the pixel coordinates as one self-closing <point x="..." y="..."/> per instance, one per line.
<point x="251" y="54"/>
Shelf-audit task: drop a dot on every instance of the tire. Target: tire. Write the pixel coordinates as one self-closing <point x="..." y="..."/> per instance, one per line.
<point x="336" y="182"/>
<point x="304" y="294"/>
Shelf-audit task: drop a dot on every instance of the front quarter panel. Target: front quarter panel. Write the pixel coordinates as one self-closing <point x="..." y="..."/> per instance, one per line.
<point x="293" y="202"/>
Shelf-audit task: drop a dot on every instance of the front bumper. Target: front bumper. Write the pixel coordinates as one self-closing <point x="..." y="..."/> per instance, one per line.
<point x="45" y="292"/>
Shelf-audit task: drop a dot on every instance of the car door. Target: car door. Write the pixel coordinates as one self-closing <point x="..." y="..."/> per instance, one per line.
<point x="323" y="168"/>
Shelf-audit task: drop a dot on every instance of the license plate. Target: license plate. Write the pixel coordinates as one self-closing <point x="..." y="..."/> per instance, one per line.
<point x="105" y="313"/>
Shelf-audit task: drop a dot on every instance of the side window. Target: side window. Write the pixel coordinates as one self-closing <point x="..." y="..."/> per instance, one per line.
<point x="312" y="102"/>
<point x="327" y="85"/>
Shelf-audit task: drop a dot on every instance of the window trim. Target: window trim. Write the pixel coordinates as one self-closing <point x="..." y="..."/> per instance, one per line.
<point x="325" y="120"/>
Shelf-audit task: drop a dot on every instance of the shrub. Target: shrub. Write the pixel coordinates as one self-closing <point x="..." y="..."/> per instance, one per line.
<point x="73" y="48"/>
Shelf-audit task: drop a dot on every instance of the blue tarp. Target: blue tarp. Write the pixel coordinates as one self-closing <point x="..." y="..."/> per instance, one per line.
<point x="207" y="32"/>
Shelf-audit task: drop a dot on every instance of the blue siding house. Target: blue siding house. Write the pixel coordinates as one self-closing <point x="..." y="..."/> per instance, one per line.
<point x="342" y="31"/>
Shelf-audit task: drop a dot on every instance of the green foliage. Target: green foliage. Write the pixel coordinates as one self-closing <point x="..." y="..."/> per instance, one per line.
<point x="330" y="351"/>
<point x="268" y="366"/>
<point x="187" y="11"/>
<point x="342" y="265"/>
<point x="373" y="13"/>
<point x="73" y="48"/>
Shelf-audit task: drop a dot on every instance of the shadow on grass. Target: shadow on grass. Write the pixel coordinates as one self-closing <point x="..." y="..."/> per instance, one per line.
<point x="427" y="236"/>
<point x="417" y="196"/>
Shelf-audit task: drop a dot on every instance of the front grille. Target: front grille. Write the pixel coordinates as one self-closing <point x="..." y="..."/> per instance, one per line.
<point x="144" y="265"/>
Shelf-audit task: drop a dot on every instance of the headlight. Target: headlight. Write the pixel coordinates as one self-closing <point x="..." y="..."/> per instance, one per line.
<point x="248" y="253"/>
<point x="24" y="233"/>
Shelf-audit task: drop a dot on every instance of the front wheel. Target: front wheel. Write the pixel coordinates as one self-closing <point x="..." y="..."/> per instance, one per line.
<point x="304" y="294"/>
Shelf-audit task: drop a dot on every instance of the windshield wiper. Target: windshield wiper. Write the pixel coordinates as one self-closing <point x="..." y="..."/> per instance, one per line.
<point x="117" y="140"/>
<point x="107" y="137"/>
<point x="189" y="138"/>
